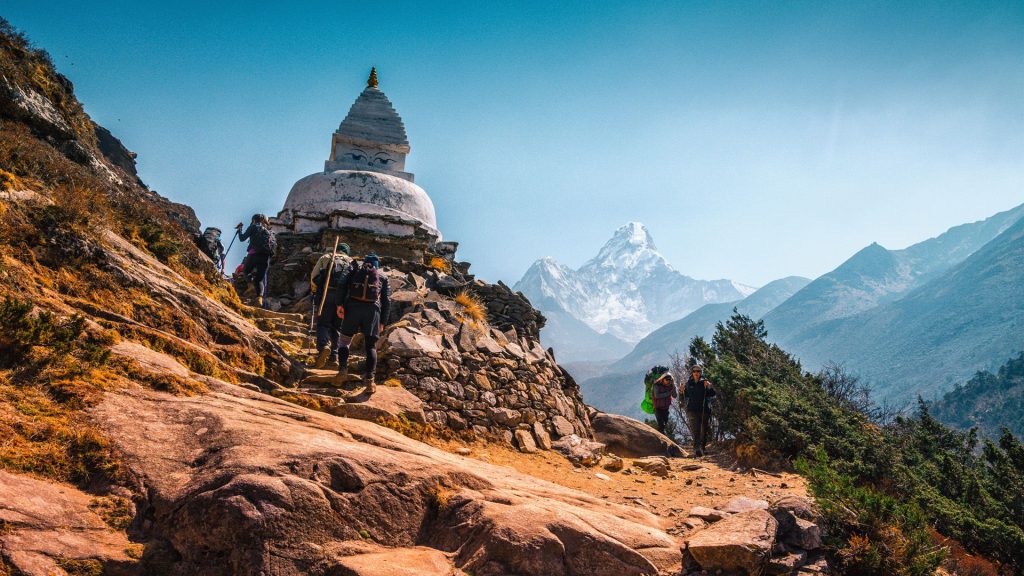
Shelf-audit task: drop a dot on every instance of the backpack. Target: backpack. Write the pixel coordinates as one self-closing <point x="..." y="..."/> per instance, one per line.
<point x="264" y="241"/>
<point x="647" y="405"/>
<point x="364" y="284"/>
<point x="336" y="274"/>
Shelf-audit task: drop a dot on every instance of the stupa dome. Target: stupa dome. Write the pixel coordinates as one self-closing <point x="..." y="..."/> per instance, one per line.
<point x="364" y="184"/>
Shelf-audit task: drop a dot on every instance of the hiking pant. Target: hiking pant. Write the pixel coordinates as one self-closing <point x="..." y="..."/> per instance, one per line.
<point x="259" y="264"/>
<point x="364" y="318"/>
<point x="661" y="415"/>
<point x="328" y="325"/>
<point x="698" y="425"/>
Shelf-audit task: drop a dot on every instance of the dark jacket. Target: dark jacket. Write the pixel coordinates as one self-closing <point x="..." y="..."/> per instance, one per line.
<point x="662" y="392"/>
<point x="697" y="396"/>
<point x="250" y="232"/>
<point x="383" y="300"/>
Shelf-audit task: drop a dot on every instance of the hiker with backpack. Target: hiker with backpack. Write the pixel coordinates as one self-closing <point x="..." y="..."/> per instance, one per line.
<point x="263" y="244"/>
<point x="323" y="284"/>
<point x="698" y="392"/>
<point x="209" y="244"/>
<point x="365" y="302"/>
<point x="663" y="390"/>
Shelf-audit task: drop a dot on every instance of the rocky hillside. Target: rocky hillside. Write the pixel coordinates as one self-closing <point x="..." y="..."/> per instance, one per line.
<point x="626" y="291"/>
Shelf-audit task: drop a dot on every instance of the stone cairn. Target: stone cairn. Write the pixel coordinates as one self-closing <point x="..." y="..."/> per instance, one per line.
<point x="490" y="377"/>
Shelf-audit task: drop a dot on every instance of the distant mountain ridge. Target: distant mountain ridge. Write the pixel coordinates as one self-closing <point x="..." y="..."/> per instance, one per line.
<point x="626" y="291"/>
<point x="967" y="319"/>
<point x="676" y="336"/>
<point x="875" y="275"/>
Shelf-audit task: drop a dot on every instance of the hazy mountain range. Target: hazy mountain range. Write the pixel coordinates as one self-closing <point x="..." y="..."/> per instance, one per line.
<point x="910" y="322"/>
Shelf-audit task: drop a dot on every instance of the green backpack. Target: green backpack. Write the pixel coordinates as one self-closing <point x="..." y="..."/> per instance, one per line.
<point x="652" y="375"/>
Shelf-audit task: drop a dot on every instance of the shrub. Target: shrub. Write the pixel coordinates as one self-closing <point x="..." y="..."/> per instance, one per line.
<point x="21" y="329"/>
<point x="471" y="308"/>
<point x="440" y="264"/>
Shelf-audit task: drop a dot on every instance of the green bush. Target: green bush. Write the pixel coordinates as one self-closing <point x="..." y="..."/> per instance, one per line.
<point x="20" y="330"/>
<point x="882" y="484"/>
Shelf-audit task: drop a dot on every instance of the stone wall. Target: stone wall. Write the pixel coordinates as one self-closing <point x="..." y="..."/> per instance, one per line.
<point x="473" y="376"/>
<point x="492" y="377"/>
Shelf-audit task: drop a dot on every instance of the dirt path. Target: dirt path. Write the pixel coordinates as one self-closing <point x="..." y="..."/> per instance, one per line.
<point x="690" y="482"/>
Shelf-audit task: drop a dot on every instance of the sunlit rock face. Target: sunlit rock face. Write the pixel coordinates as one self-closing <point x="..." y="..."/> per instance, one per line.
<point x="364" y="185"/>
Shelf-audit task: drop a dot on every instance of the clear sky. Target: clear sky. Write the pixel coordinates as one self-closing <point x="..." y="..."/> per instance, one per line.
<point x="755" y="139"/>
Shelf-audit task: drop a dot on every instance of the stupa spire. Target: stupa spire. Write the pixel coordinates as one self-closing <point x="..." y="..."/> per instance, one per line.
<point x="371" y="82"/>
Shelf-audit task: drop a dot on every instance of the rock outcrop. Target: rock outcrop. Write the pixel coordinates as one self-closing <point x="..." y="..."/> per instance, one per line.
<point x="625" y="436"/>
<point x="235" y="478"/>
<point x="749" y="536"/>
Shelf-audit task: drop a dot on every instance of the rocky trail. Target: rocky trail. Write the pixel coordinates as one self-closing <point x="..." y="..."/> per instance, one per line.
<point x="686" y="495"/>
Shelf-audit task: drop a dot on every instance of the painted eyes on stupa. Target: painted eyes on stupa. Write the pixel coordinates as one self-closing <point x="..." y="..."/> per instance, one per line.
<point x="357" y="157"/>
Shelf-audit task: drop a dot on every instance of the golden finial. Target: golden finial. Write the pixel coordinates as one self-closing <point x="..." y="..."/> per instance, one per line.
<point x="371" y="82"/>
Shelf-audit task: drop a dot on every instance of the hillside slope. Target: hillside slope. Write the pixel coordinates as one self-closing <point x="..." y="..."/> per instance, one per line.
<point x="876" y="275"/>
<point x="965" y="320"/>
<point x="989" y="401"/>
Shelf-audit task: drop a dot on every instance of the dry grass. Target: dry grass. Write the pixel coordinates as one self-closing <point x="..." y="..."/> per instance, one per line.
<point x="471" y="308"/>
<point x="88" y="567"/>
<point x="440" y="264"/>
<point x="300" y="400"/>
<point x="116" y="511"/>
<point x="440" y="497"/>
<point x="406" y="427"/>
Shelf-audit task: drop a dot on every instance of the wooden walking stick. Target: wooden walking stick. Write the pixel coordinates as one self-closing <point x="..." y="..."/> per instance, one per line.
<point x="323" y="298"/>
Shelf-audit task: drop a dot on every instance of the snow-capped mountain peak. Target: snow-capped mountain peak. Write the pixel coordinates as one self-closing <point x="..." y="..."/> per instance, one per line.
<point x="628" y="289"/>
<point x="631" y="247"/>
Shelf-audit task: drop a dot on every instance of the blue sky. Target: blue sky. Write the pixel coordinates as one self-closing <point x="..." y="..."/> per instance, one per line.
<point x="755" y="139"/>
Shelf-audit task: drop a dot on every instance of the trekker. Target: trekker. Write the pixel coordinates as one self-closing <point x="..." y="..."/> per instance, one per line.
<point x="263" y="244"/>
<point x="662" y="393"/>
<point x="365" y="301"/>
<point x="325" y="304"/>
<point x="209" y="243"/>
<point x="697" y="391"/>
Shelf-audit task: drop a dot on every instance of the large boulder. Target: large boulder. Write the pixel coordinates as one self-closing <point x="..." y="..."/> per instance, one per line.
<point x="240" y="482"/>
<point x="738" y="543"/>
<point x="631" y="438"/>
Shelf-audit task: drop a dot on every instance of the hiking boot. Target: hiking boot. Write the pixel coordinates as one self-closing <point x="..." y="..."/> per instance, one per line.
<point x="332" y="362"/>
<point x="371" y="383"/>
<point x="321" y="357"/>
<point x="340" y="377"/>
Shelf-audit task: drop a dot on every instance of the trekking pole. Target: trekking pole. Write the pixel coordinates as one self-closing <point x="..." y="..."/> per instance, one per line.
<point x="312" y="323"/>
<point x="225" y="255"/>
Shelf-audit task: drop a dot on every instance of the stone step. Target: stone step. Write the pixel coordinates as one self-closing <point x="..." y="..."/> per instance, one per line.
<point x="269" y="314"/>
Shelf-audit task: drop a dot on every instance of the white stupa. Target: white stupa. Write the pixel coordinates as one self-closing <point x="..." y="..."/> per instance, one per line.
<point x="364" y="184"/>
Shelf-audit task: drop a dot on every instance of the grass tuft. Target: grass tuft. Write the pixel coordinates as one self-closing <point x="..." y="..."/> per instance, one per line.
<point x="471" y="307"/>
<point x="440" y="264"/>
